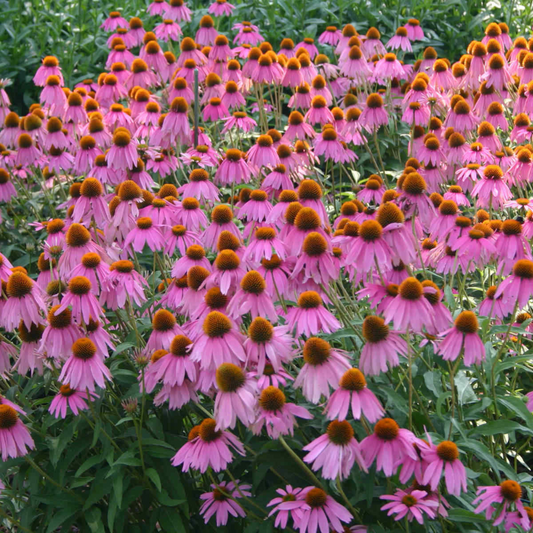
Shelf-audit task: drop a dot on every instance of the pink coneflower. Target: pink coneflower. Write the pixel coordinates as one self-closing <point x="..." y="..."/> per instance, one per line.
<point x="456" y="194"/>
<point x="414" y="31"/>
<point x="469" y="175"/>
<point x="401" y="40"/>
<point x="271" y="378"/>
<point x="413" y="504"/>
<point x="178" y="11"/>
<point x="233" y="169"/>
<point x="180" y="239"/>
<point x="122" y="284"/>
<point x="200" y="187"/>
<point x="190" y="215"/>
<point x="180" y="89"/>
<point x="232" y="98"/>
<point x="263" y="245"/>
<point x="316" y="261"/>
<point x="79" y="243"/>
<point x="28" y="154"/>
<point x="382" y="347"/>
<point x="60" y="334"/>
<point x="331" y="36"/>
<point x="218" y="343"/>
<point x="410" y="310"/>
<point x="221" y="220"/>
<point x="442" y="78"/>
<point x="518" y="287"/>
<point x="289" y="494"/>
<point x="144" y="233"/>
<point x="207" y="447"/>
<point x="137" y="31"/>
<point x="221" y="8"/>
<point x="114" y="21"/>
<point x="168" y="30"/>
<point x="86" y="154"/>
<point x="67" y="397"/>
<point x="207" y="32"/>
<point x="257" y="208"/>
<point x="52" y="96"/>
<point x="417" y="114"/>
<point x="239" y="120"/>
<point x="15" y="439"/>
<point x="478" y="247"/>
<point x="355" y="66"/>
<point x="29" y="359"/>
<point x="314" y="509"/>
<point x="236" y="397"/>
<point x="491" y="190"/>
<point x="463" y="336"/>
<point x="175" y="367"/>
<point x="311" y="317"/>
<point x="390" y="445"/>
<point x="309" y="46"/>
<point x="262" y="153"/>
<point x="323" y="369"/>
<point x="227" y="272"/>
<point x="276" y="415"/>
<point x="495" y="307"/>
<point x="82" y="299"/>
<point x="6" y="266"/>
<point x="387" y="68"/>
<point x="276" y="273"/>
<point x="328" y="145"/>
<point x="50" y="67"/>
<point x="511" y="245"/>
<point x="91" y="204"/>
<point x="215" y="110"/>
<point x="84" y="369"/>
<point x="222" y="500"/>
<point x="24" y="302"/>
<point x="164" y="330"/>
<point x="252" y="298"/>
<point x="101" y="338"/>
<point x="319" y="112"/>
<point x="444" y="456"/>
<point x="504" y="495"/>
<point x="123" y="154"/>
<point x="479" y="154"/>
<point x="414" y="199"/>
<point x="267" y="344"/>
<point x="353" y="393"/>
<point x="335" y="452"/>
<point x="374" y="114"/>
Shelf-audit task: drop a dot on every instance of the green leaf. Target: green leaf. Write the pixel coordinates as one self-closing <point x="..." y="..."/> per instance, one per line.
<point x="60" y="517"/>
<point x="93" y="517"/>
<point x="166" y="500"/>
<point x="463" y="384"/>
<point x="127" y="458"/>
<point x="88" y="463"/>
<point x="517" y="406"/>
<point x="501" y="427"/>
<point x="154" y="476"/>
<point x="170" y="520"/>
<point x="432" y="379"/>
<point x="118" y="488"/>
<point x="465" y="516"/>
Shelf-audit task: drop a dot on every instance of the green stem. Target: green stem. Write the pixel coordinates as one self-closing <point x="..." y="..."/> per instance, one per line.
<point x="301" y="464"/>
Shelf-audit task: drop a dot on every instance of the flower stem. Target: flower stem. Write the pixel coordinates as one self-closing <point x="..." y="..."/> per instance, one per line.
<point x="302" y="465"/>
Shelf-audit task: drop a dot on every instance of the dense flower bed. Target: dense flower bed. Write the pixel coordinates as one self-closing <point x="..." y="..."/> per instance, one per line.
<point x="269" y="285"/>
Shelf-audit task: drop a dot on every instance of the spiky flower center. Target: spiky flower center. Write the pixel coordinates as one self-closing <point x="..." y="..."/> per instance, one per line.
<point x="229" y="377"/>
